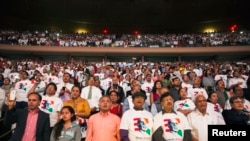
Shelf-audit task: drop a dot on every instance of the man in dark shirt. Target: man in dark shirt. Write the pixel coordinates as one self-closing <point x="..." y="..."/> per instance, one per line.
<point x="237" y="115"/>
<point x="116" y="87"/>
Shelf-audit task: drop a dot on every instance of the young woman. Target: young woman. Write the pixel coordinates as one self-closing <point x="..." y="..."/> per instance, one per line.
<point x="81" y="108"/>
<point x="66" y="129"/>
<point x="116" y="108"/>
<point x="155" y="93"/>
<point x="212" y="103"/>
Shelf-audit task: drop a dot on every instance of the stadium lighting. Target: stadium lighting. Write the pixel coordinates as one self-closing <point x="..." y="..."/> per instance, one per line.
<point x="81" y="30"/>
<point x="209" y="30"/>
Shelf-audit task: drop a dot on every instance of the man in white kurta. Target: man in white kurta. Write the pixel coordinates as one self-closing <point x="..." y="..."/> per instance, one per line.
<point x="200" y="118"/>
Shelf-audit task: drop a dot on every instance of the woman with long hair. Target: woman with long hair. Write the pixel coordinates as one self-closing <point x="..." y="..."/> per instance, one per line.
<point x="81" y="108"/>
<point x="155" y="93"/>
<point x="66" y="129"/>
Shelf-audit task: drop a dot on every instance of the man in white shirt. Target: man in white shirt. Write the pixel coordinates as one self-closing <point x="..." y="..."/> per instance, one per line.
<point x="238" y="91"/>
<point x="92" y="94"/>
<point x="22" y="88"/>
<point x="200" y="118"/>
<point x="148" y="86"/>
<point x="64" y="88"/>
<point x="50" y="103"/>
<point x="237" y="80"/>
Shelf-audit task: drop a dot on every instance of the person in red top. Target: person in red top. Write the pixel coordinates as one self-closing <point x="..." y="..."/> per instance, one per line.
<point x="116" y="108"/>
<point x="155" y="93"/>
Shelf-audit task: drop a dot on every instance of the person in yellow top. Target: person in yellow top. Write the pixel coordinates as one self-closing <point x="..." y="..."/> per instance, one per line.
<point x="81" y="108"/>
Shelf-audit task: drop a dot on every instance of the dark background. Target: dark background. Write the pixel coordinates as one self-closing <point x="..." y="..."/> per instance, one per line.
<point x="124" y="16"/>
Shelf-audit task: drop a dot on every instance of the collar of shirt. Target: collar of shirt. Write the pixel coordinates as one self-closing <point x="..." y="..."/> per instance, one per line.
<point x="199" y="113"/>
<point x="104" y="114"/>
<point x="76" y="99"/>
<point x="138" y="109"/>
<point x="33" y="111"/>
<point x="163" y="112"/>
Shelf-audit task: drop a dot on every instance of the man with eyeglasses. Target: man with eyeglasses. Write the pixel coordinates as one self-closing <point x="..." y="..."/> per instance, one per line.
<point x="237" y="115"/>
<point x="238" y="91"/>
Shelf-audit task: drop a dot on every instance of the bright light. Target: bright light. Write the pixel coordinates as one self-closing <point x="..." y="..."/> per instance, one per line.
<point x="139" y="36"/>
<point x="136" y="32"/>
<point x="57" y="34"/>
<point x="212" y="35"/>
<point x="105" y="31"/>
<point x="209" y="30"/>
<point x="241" y="32"/>
<point x="81" y="30"/>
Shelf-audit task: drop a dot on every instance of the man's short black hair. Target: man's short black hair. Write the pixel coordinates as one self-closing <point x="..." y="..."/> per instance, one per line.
<point x="166" y="94"/>
<point x="35" y="93"/>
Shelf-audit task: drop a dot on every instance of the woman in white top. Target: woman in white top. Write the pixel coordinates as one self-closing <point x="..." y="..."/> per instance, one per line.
<point x="212" y="103"/>
<point x="184" y="105"/>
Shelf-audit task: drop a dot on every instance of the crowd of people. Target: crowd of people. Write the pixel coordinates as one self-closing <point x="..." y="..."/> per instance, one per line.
<point x="66" y="101"/>
<point x="45" y="38"/>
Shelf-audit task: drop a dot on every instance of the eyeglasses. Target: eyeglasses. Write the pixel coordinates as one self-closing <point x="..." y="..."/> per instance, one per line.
<point x="238" y="102"/>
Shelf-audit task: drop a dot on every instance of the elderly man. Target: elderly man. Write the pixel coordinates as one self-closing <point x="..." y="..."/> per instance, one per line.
<point x="103" y="126"/>
<point x="201" y="117"/>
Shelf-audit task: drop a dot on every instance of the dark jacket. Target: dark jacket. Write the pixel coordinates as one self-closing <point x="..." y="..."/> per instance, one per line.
<point x="235" y="117"/>
<point x="20" y="118"/>
<point x="120" y="93"/>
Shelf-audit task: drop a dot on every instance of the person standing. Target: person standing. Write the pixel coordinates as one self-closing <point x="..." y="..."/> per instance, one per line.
<point x="103" y="126"/>
<point x="92" y="94"/>
<point x="22" y="88"/>
<point x="66" y="129"/>
<point x="115" y="87"/>
<point x="201" y="117"/>
<point x="156" y="106"/>
<point x="64" y="88"/>
<point x="170" y="124"/>
<point x="32" y="124"/>
<point x="184" y="104"/>
<point x="137" y="123"/>
<point x="237" y="115"/>
<point x="81" y="108"/>
<point x="51" y="104"/>
<point x="116" y="108"/>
